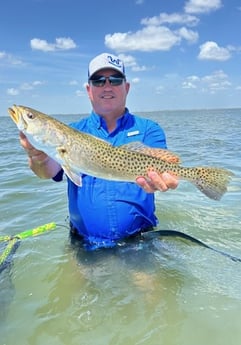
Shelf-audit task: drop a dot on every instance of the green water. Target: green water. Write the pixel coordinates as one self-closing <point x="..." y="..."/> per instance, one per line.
<point x="160" y="292"/>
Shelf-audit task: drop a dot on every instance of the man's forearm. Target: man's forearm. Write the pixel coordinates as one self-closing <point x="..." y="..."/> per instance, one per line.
<point x="47" y="168"/>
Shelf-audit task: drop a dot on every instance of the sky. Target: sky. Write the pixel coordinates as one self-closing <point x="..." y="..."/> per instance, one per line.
<point x="179" y="54"/>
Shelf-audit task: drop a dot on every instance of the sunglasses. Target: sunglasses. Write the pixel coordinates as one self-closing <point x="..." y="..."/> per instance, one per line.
<point x="100" y="81"/>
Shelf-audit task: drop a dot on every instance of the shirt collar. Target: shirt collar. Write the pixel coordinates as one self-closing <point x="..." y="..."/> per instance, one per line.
<point x="99" y="122"/>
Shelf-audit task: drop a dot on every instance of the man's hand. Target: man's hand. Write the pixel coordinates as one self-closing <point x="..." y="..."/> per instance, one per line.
<point x="32" y="152"/>
<point x="156" y="182"/>
<point x="40" y="163"/>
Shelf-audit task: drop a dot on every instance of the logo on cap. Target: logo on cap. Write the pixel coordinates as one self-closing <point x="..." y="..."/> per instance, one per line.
<point x="115" y="62"/>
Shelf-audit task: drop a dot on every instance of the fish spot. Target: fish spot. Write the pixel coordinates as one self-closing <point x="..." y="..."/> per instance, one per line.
<point x="62" y="150"/>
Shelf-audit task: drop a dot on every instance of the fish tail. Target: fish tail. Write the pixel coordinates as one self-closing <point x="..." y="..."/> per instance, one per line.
<point x="211" y="181"/>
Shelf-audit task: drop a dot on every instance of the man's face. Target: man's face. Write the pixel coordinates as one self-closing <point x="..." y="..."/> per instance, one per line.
<point x="109" y="97"/>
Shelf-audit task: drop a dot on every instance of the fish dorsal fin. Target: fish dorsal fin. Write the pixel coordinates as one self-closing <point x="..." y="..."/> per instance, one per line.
<point x="163" y="154"/>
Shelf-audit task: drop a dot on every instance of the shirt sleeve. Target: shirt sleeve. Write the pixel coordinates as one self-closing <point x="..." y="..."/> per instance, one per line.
<point x="59" y="176"/>
<point x="155" y="136"/>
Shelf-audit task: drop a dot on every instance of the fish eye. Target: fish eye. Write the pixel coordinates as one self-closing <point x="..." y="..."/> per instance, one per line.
<point x="30" y="116"/>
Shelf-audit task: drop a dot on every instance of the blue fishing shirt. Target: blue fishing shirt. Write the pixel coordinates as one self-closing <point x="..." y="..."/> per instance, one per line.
<point x="102" y="211"/>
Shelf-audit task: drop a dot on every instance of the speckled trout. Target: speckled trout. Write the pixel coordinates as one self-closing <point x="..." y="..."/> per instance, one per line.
<point x="81" y="153"/>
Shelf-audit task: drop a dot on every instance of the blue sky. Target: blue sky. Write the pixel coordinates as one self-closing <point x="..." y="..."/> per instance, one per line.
<point x="183" y="54"/>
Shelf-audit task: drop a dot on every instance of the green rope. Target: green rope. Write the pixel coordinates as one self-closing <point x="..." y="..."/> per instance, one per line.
<point x="33" y="232"/>
<point x="36" y="231"/>
<point x="8" y="251"/>
<point x="15" y="240"/>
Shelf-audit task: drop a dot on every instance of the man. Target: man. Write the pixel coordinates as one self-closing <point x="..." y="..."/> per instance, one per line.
<point x="104" y="212"/>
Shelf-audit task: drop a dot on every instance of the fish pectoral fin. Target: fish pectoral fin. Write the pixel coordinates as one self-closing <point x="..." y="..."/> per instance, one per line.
<point x="163" y="154"/>
<point x="76" y="179"/>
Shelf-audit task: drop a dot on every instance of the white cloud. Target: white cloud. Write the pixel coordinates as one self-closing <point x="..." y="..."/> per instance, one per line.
<point x="80" y="93"/>
<point x="150" y="38"/>
<point x="211" y="51"/>
<point x="65" y="43"/>
<point x="138" y="68"/>
<point x="9" y="59"/>
<point x="159" y="89"/>
<point x="212" y="83"/>
<point x="155" y="36"/>
<point x="2" y="55"/>
<point x="130" y="61"/>
<point x="12" y="92"/>
<point x="135" y="80"/>
<point x="31" y="86"/>
<point x="188" y="85"/>
<point x="189" y="35"/>
<point x="202" y="6"/>
<point x="24" y="87"/>
<point x="217" y="82"/>
<point x="218" y="75"/>
<point x="73" y="83"/>
<point x="61" y="43"/>
<point x="38" y="82"/>
<point x="191" y="82"/>
<point x="174" y="18"/>
<point x="234" y="49"/>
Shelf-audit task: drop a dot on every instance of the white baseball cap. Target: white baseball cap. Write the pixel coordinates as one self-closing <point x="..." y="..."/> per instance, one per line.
<point x="106" y="60"/>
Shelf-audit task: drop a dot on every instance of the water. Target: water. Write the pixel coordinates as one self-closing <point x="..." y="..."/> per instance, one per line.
<point x="161" y="292"/>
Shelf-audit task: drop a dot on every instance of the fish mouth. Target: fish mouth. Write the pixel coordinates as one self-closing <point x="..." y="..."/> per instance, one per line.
<point x="14" y="113"/>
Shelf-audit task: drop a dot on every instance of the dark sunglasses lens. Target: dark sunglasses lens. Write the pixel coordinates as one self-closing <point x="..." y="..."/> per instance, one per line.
<point x="100" y="81"/>
<point x="115" y="81"/>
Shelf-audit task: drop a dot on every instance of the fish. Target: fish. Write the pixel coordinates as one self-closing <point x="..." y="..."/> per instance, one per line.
<point x="81" y="153"/>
